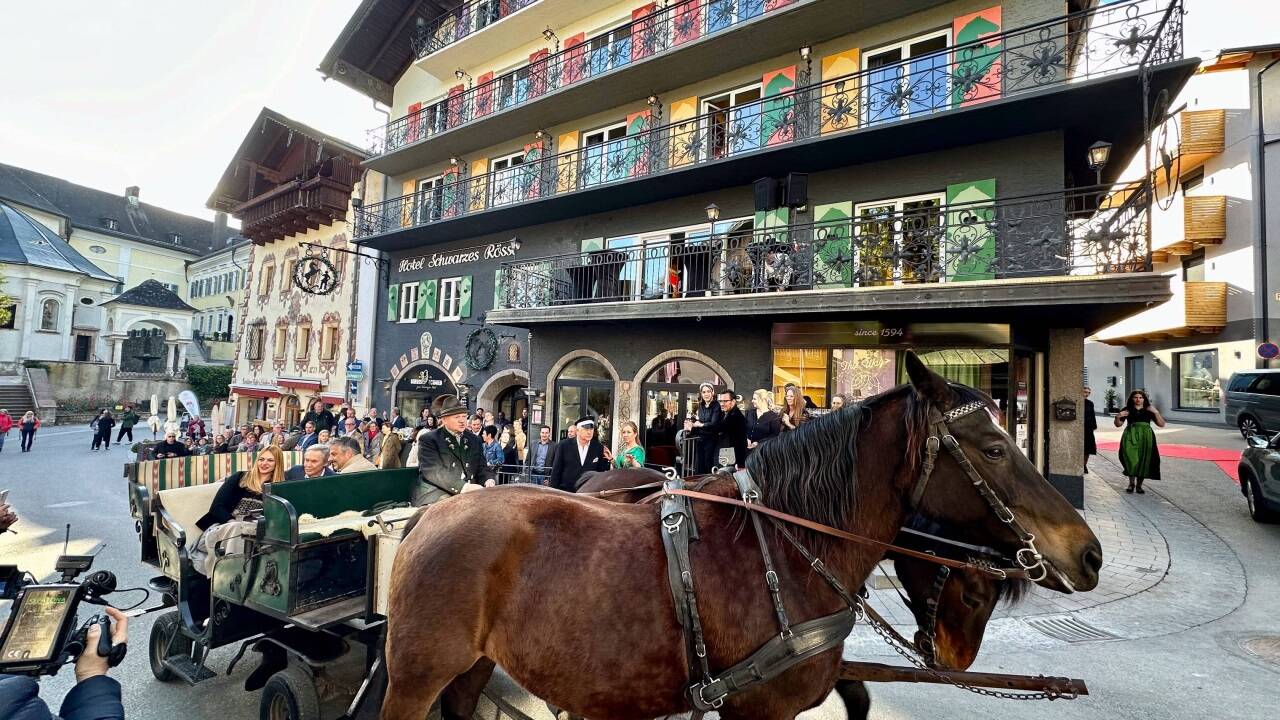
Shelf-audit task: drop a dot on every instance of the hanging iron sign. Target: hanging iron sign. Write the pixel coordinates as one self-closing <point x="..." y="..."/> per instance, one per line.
<point x="314" y="274"/>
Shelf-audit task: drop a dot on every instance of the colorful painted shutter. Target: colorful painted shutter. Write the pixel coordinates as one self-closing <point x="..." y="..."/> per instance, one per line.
<point x="450" y="202"/>
<point x="970" y="234"/>
<point x="644" y="32"/>
<point x="777" y="122"/>
<point x="590" y="245"/>
<point x="464" y="292"/>
<point x="427" y="299"/>
<point x="771" y="5"/>
<point x="840" y="98"/>
<point x="538" y="72"/>
<point x="500" y="288"/>
<point x="393" y="303"/>
<point x="476" y="195"/>
<point x="484" y="94"/>
<point x="688" y="22"/>
<point x="833" y="251"/>
<point x="573" y="66"/>
<point x="720" y="14"/>
<point x="413" y="123"/>
<point x="686" y="137"/>
<point x="637" y="153"/>
<point x="750" y="8"/>
<point x="409" y="203"/>
<point x="976" y="74"/>
<point x="531" y="171"/>
<point x="567" y="174"/>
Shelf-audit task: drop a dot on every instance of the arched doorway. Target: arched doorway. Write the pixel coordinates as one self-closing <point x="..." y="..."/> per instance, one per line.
<point x="290" y="411"/>
<point x="418" y="386"/>
<point x="670" y="394"/>
<point x="584" y="387"/>
<point x="511" y="403"/>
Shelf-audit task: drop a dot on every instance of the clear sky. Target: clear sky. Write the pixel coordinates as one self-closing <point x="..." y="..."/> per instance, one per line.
<point x="159" y="93"/>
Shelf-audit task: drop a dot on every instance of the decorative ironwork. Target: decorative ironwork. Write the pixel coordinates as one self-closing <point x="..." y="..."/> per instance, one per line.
<point x="314" y="274"/>
<point x="1076" y="47"/>
<point x="481" y="349"/>
<point x="1085" y="232"/>
<point x="433" y="35"/>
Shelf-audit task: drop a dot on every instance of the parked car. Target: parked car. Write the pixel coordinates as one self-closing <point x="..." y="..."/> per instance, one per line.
<point x="1260" y="477"/>
<point x="1253" y="402"/>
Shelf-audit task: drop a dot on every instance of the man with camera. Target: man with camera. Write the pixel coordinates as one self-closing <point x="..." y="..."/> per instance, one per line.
<point x="94" y="697"/>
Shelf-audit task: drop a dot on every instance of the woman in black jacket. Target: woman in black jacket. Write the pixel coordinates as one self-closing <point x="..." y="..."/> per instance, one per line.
<point x="763" y="421"/>
<point x="708" y="414"/>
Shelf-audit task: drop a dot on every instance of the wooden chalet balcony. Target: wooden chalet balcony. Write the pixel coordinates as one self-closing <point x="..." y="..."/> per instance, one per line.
<point x="294" y="207"/>
<point x="1203" y="223"/>
<point x="1201" y="135"/>
<point x="1201" y="310"/>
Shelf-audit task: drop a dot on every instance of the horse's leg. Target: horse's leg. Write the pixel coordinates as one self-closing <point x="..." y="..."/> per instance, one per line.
<point x="418" y="676"/>
<point x="463" y="694"/>
<point x="857" y="701"/>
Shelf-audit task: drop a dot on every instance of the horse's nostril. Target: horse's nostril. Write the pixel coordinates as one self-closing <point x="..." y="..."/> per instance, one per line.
<point x="1092" y="559"/>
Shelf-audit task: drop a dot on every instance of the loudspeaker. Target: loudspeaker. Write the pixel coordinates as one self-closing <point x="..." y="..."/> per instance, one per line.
<point x="796" y="190"/>
<point x="766" y="194"/>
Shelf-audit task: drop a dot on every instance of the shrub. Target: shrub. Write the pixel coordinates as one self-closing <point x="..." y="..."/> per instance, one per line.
<point x="210" y="382"/>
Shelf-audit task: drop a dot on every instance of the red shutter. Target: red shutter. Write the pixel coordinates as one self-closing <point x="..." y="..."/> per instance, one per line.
<point x="688" y="21"/>
<point x="453" y="107"/>
<point x="484" y="94"/>
<point x="538" y="72"/>
<point x="643" y="32"/>
<point x="573" y="66"/>
<point x="413" y="123"/>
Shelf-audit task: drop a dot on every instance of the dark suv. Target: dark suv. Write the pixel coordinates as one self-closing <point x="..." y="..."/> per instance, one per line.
<point x="1260" y="477"/>
<point x="1253" y="401"/>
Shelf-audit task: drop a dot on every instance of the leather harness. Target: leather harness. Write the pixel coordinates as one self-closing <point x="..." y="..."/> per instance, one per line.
<point x="797" y="643"/>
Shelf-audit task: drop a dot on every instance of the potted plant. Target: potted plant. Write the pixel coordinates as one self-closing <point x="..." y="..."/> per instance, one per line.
<point x="1110" y="397"/>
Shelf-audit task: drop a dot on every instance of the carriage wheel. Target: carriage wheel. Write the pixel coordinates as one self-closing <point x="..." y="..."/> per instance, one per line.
<point x="166" y="628"/>
<point x="290" y="695"/>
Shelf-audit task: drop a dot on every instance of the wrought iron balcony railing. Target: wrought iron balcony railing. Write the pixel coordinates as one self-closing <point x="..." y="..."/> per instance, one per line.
<point x="1089" y="43"/>
<point x="1058" y="234"/>
<point x="1119" y="37"/>
<point x="470" y="17"/>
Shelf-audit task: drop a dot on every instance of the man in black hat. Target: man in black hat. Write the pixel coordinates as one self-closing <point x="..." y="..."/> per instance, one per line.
<point x="577" y="455"/>
<point x="450" y="459"/>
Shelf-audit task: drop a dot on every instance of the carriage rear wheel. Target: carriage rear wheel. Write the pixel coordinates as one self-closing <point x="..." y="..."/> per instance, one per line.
<point x="167" y="627"/>
<point x="290" y="694"/>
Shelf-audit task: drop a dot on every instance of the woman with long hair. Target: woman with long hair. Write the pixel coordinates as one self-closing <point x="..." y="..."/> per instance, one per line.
<point x="1139" y="455"/>
<point x="239" y="499"/>
<point x="630" y="454"/>
<point x="708" y="413"/>
<point x="794" y="413"/>
<point x="763" y="421"/>
<point x="389" y="452"/>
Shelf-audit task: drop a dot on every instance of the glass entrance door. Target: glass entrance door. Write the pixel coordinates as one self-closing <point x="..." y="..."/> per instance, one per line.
<point x="576" y="398"/>
<point x="1133" y="379"/>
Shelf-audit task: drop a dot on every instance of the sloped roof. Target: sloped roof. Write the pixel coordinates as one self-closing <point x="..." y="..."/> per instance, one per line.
<point x="24" y="241"/>
<point x="375" y="47"/>
<point x="150" y="293"/>
<point x="85" y="207"/>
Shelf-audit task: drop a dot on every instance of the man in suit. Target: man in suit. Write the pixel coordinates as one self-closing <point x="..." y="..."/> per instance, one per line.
<point x="347" y="457"/>
<point x="450" y="458"/>
<point x="541" y="456"/>
<point x="577" y="455"/>
<point x="309" y="436"/>
<point x="315" y="463"/>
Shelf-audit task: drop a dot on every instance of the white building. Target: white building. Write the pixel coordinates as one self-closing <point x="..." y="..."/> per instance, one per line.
<point x="216" y="286"/>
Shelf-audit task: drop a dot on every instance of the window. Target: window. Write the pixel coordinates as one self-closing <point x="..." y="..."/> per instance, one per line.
<point x="908" y="78"/>
<point x="898" y="240"/>
<point x="268" y="277"/>
<point x="109" y="223"/>
<point x="409" y="302"/>
<point x="504" y="179"/>
<point x="257" y="338"/>
<point x="1265" y="384"/>
<point x="806" y="368"/>
<point x="194" y="289"/>
<point x="8" y="316"/>
<point x="603" y="154"/>
<point x="286" y="274"/>
<point x="1197" y="378"/>
<point x="451" y="299"/>
<point x="329" y="342"/>
<point x="282" y="341"/>
<point x="732" y="128"/>
<point x="49" y="315"/>
<point x="303" y="350"/>
<point x="1192" y="180"/>
<point x="175" y="238"/>
<point x="1193" y="266"/>
<point x="119" y="285"/>
<point x="429" y="198"/>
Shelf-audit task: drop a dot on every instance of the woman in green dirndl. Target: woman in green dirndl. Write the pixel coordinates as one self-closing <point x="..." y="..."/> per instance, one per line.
<point x="1139" y="455"/>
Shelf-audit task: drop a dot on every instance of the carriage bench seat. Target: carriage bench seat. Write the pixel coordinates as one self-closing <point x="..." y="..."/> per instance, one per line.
<point x="176" y="512"/>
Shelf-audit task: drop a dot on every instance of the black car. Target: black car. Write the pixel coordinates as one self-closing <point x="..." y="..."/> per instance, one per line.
<point x="1260" y="477"/>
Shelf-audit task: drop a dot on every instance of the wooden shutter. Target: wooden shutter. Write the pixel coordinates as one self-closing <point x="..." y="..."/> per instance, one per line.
<point x="980" y="60"/>
<point x="538" y="72"/>
<point x="427" y="299"/>
<point x="840" y="98"/>
<point x="464" y="291"/>
<point x="777" y="121"/>
<point x="393" y="303"/>
<point x="970" y="242"/>
<point x="573" y="64"/>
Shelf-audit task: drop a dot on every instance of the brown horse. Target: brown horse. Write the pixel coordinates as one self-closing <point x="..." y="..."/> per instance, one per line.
<point x="569" y="594"/>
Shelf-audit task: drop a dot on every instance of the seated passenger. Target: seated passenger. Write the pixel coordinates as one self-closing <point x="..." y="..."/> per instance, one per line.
<point x="239" y="499"/>
<point x="170" y="448"/>
<point x="347" y="457"/>
<point x="315" y="463"/>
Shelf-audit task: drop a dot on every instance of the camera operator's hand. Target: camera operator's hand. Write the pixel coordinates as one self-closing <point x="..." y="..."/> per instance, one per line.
<point x="7" y="517"/>
<point x="90" y="663"/>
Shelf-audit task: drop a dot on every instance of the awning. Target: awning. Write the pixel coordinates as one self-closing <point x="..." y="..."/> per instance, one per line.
<point x="257" y="391"/>
<point x="333" y="398"/>
<point x="301" y="383"/>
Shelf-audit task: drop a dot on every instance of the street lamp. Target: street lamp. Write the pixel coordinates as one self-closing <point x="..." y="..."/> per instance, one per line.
<point x="549" y="35"/>
<point x="713" y="212"/>
<point x="1099" y="155"/>
<point x="463" y="74"/>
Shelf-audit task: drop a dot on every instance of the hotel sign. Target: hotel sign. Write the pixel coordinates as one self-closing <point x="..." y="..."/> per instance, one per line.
<point x="492" y="251"/>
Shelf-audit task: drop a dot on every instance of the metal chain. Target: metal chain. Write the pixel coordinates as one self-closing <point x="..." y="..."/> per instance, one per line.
<point x="887" y="636"/>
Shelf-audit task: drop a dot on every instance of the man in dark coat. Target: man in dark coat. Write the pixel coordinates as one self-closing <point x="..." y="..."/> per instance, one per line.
<point x="315" y="463"/>
<point x="577" y="455"/>
<point x="729" y="432"/>
<point x="1090" y="427"/>
<point x="450" y="459"/>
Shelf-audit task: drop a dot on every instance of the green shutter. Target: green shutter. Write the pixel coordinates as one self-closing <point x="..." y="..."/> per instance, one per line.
<point x="970" y="244"/>
<point x="592" y="244"/>
<point x="427" y="299"/>
<point x="393" y="303"/>
<point x="464" y="289"/>
<point x="833" y="256"/>
<point x="499" y="289"/>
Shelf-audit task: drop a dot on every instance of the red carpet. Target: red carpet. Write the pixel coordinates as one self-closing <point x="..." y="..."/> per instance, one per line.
<point x="1228" y="460"/>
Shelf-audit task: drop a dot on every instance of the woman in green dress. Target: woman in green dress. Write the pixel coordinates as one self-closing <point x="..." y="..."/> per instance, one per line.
<point x="630" y="454"/>
<point x="1138" y="452"/>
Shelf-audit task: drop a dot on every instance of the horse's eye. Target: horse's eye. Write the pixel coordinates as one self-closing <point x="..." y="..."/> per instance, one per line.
<point x="994" y="453"/>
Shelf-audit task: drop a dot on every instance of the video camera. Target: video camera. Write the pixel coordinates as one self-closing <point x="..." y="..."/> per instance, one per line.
<point x="43" y="632"/>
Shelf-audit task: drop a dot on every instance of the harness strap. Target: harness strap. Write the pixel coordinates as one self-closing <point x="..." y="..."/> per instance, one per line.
<point x="926" y="470"/>
<point x="751" y="493"/>
<point x="676" y="526"/>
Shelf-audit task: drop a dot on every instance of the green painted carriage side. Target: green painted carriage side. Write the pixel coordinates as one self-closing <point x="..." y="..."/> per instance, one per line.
<point x="328" y="496"/>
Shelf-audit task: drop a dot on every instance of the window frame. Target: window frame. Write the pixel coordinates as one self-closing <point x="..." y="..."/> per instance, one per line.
<point x="408" y="309"/>
<point x="904" y="46"/>
<point x="1177" y="373"/>
<point x="12" y="324"/>
<point x="329" y="342"/>
<point x="257" y="341"/>
<point x="268" y="278"/>
<point x="1195" y="260"/>
<point x="57" y="313"/>
<point x="302" y="349"/>
<point x="444" y="297"/>
<point x="280" y="342"/>
<point x="899" y="204"/>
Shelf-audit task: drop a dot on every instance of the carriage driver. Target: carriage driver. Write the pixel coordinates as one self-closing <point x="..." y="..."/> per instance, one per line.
<point x="450" y="458"/>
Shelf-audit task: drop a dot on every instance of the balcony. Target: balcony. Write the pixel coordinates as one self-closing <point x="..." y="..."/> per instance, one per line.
<point x="1190" y="222"/>
<point x="813" y="127"/>
<point x="1201" y="135"/>
<point x="300" y="205"/>
<point x="672" y="46"/>
<point x="875" y="259"/>
<point x="1202" y="310"/>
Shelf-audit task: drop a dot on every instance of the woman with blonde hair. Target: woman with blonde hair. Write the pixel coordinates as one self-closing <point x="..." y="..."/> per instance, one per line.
<point x="630" y="454"/>
<point x="239" y="499"/>
<point x="762" y="419"/>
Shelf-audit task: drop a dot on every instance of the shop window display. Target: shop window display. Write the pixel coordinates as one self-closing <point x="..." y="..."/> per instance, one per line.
<point x="1197" y="381"/>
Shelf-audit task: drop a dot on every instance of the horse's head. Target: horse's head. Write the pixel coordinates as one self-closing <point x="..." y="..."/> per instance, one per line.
<point x="1071" y="553"/>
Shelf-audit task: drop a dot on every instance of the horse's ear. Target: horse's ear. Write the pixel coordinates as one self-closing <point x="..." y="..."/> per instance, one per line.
<point x="927" y="383"/>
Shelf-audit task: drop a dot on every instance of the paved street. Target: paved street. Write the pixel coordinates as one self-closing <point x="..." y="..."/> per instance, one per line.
<point x="1189" y="580"/>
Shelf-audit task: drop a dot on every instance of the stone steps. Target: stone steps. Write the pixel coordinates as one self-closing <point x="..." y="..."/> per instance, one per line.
<point x="16" y="399"/>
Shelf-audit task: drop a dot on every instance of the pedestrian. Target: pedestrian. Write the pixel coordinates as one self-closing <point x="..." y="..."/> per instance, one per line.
<point x="195" y="428"/>
<point x="630" y="454"/>
<point x="1090" y="426"/>
<point x="397" y="422"/>
<point x="309" y="435"/>
<point x="320" y="417"/>
<point x="492" y="449"/>
<point x="450" y="459"/>
<point x="389" y="455"/>
<point x="837" y="402"/>
<point x="1139" y="455"/>
<point x="102" y="430"/>
<point x="763" y="421"/>
<point x="794" y="413"/>
<point x="27" y="428"/>
<point x="170" y="447"/>
<point x="708" y="413"/>
<point x="577" y="455"/>
<point x="6" y="424"/>
<point x="541" y="456"/>
<point x="729" y="436"/>
<point x="127" y="421"/>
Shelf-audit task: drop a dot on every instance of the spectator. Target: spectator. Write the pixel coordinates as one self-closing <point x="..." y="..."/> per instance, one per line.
<point x="315" y="463"/>
<point x="837" y="402"/>
<point x="1090" y="427"/>
<point x="412" y="459"/>
<point x="249" y="443"/>
<point x="729" y="435"/>
<point x="424" y="415"/>
<point x="220" y="444"/>
<point x="309" y="436"/>
<point x="510" y="454"/>
<point x="324" y="437"/>
<point x="373" y="417"/>
<point x="277" y="436"/>
<point x="429" y="422"/>
<point x="541" y="456"/>
<point x="169" y="447"/>
<point x="347" y="457"/>
<point x="762" y="419"/>
<point x="492" y="450"/>
<point x="202" y="447"/>
<point x="709" y="413"/>
<point x="476" y="426"/>
<point x="195" y="428"/>
<point x="349" y="427"/>
<point x="319" y="417"/>
<point x="397" y="422"/>
<point x="6" y="424"/>
<point x="794" y="413"/>
<point x="389" y="454"/>
<point x="237" y="437"/>
<point x="524" y="420"/>
<point x="577" y="455"/>
<point x="500" y="421"/>
<point x="27" y="428"/>
<point x="127" y="421"/>
<point x="630" y="455"/>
